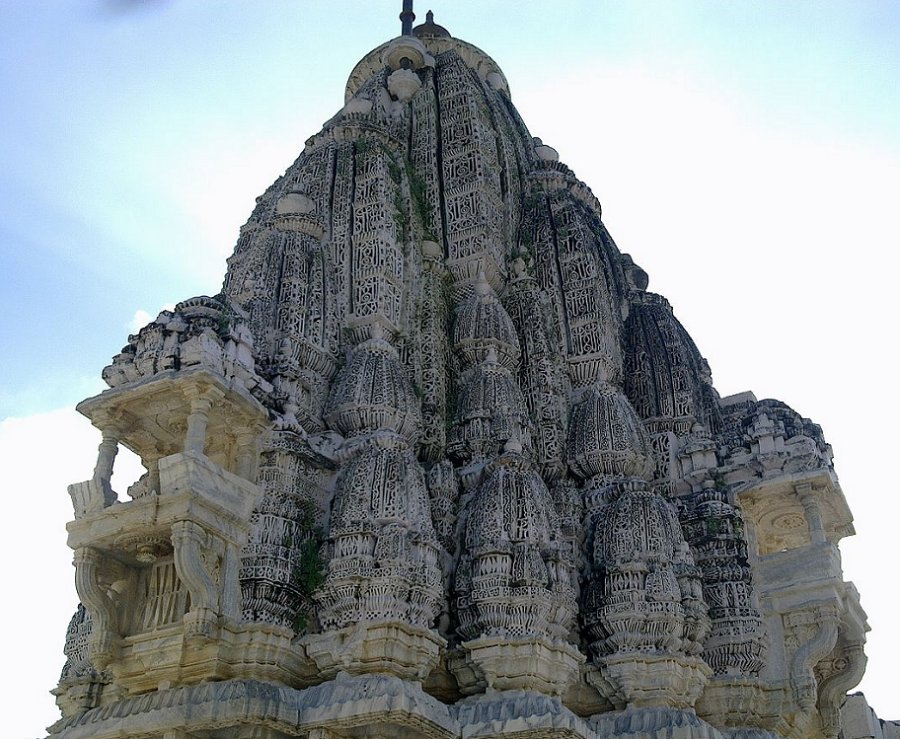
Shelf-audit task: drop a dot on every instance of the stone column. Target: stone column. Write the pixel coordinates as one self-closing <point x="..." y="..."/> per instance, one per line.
<point x="246" y="453"/>
<point x="201" y="404"/>
<point x="106" y="454"/>
<point x="812" y="512"/>
<point x="91" y="588"/>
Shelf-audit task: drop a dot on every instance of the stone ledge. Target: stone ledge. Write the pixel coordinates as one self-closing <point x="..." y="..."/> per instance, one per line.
<point x="399" y="708"/>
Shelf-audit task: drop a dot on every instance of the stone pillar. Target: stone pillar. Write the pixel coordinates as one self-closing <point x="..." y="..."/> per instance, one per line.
<point x="201" y="404"/>
<point x="812" y="512"/>
<point x="106" y="454"/>
<point x="246" y="454"/>
<point x="153" y="476"/>
<point x="91" y="588"/>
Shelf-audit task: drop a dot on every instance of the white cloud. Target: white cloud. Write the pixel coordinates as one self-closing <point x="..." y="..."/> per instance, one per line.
<point x="40" y="456"/>
<point x="141" y="318"/>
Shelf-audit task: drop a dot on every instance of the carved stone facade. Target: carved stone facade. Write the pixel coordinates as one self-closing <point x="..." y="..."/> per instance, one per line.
<point x="435" y="463"/>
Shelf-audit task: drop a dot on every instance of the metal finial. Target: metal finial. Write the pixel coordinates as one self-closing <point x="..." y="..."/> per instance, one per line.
<point x="406" y="18"/>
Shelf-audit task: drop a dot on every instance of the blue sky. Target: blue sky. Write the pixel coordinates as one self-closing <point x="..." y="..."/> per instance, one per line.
<point x="747" y="154"/>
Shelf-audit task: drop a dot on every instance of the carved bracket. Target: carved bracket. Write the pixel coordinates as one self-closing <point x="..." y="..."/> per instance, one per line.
<point x="838" y="675"/>
<point x="91" y="579"/>
<point x="820" y="627"/>
<point x="193" y="545"/>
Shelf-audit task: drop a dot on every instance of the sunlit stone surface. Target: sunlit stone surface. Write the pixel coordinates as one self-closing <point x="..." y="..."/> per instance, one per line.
<point x="434" y="463"/>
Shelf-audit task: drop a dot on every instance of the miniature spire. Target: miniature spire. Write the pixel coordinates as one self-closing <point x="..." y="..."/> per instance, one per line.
<point x="406" y="18"/>
<point x="430" y="29"/>
<point x="482" y="286"/>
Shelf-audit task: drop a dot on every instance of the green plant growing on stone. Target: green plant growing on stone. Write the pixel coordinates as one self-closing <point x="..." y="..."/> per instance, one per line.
<point x="227" y="316"/>
<point x="363" y="147"/>
<point x="393" y="169"/>
<point x="419" y="194"/>
<point x="401" y="216"/>
<point x="308" y="572"/>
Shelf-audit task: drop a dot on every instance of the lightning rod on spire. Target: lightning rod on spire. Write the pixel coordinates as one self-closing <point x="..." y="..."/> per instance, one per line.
<point x="406" y="18"/>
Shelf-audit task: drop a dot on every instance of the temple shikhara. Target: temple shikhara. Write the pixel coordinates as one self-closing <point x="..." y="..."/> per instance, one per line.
<point x="434" y="463"/>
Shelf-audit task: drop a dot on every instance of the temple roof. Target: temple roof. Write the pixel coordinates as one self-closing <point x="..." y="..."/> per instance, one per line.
<point x="436" y="40"/>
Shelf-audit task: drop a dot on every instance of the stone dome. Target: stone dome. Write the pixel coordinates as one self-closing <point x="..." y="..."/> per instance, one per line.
<point x="382" y="483"/>
<point x="430" y="29"/>
<point x="372" y="392"/>
<point x="481" y="323"/>
<point x="665" y="377"/>
<point x="638" y="524"/>
<point x="384" y="564"/>
<point x="512" y="579"/>
<point x="512" y="506"/>
<point x="490" y="410"/>
<point x="651" y="593"/>
<point x="436" y="42"/>
<point x="606" y="436"/>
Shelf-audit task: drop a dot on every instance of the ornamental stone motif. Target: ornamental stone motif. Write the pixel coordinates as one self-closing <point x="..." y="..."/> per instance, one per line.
<point x="435" y="463"/>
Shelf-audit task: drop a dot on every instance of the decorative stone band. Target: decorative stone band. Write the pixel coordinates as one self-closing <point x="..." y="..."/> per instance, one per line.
<point x="396" y="648"/>
<point x="503" y="663"/>
<point x="647" y="680"/>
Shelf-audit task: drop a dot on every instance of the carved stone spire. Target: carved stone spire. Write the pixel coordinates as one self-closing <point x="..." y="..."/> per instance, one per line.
<point x="648" y="619"/>
<point x="432" y="436"/>
<point x="383" y="573"/>
<point x="514" y="594"/>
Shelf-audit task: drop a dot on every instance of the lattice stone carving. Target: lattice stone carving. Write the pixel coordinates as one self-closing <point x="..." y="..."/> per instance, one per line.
<point x="715" y="530"/>
<point x="482" y="324"/>
<point x="78" y="662"/>
<point x="490" y="410"/>
<point x="644" y="605"/>
<point x="606" y="438"/>
<point x="665" y="377"/>
<point x="443" y="489"/>
<point x="372" y="392"/>
<point x="578" y="274"/>
<point x="668" y="382"/>
<point x="427" y="287"/>
<point x="80" y="686"/>
<point x="383" y="563"/>
<point x="201" y="331"/>
<point x="472" y="174"/>
<point x="434" y="354"/>
<point x="514" y="577"/>
<point x="280" y="564"/>
<point x="651" y="593"/>
<point x="541" y="375"/>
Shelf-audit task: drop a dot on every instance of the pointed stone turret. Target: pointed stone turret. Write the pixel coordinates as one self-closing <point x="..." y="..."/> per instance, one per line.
<point x="382" y="575"/>
<point x="606" y="438"/>
<point x="669" y="384"/>
<point x="372" y="393"/>
<point x="490" y="410"/>
<point x="542" y="375"/>
<point x="434" y="439"/>
<point x="515" y="600"/>
<point x="649" y="623"/>
<point x="481" y="324"/>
